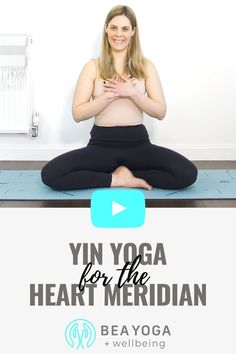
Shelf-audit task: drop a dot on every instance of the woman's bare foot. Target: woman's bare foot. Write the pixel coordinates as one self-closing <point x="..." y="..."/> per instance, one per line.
<point x="123" y="177"/>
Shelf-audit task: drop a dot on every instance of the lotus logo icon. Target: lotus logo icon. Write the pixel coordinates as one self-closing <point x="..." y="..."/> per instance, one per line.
<point x="80" y="333"/>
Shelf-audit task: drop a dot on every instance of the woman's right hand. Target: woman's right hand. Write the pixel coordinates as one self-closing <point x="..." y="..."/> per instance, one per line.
<point x="110" y="96"/>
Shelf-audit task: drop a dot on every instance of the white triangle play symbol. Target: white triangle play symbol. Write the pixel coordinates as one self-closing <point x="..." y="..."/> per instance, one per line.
<point x="117" y="208"/>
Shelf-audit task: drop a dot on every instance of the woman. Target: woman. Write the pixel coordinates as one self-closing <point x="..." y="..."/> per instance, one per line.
<point x="116" y="89"/>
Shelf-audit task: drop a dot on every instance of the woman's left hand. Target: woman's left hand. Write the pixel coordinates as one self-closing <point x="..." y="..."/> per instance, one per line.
<point x="123" y="86"/>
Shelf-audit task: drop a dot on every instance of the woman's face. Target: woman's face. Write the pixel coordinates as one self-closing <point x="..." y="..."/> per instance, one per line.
<point x="119" y="32"/>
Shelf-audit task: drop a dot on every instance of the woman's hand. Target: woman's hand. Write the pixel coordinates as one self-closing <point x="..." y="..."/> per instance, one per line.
<point x="110" y="95"/>
<point x="123" y="86"/>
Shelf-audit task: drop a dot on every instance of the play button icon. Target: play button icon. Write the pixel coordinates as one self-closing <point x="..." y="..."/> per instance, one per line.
<point x="117" y="208"/>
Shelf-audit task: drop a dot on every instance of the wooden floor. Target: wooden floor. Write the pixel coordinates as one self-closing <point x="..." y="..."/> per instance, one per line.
<point x="36" y="165"/>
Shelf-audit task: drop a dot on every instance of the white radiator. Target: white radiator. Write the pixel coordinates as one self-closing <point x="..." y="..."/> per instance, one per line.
<point x="15" y="84"/>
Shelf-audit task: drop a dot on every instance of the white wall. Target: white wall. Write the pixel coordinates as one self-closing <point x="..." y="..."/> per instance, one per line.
<point x="191" y="42"/>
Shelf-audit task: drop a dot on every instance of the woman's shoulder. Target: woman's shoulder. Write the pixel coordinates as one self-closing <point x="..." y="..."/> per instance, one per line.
<point x="91" y="67"/>
<point x="148" y="63"/>
<point x="149" y="67"/>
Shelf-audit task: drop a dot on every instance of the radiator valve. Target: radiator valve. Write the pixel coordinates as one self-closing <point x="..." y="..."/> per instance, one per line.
<point x="35" y="125"/>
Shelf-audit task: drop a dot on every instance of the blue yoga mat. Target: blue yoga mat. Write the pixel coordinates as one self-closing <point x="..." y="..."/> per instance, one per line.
<point x="27" y="185"/>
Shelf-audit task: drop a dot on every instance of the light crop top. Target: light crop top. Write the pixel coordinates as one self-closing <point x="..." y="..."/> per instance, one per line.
<point x="120" y="112"/>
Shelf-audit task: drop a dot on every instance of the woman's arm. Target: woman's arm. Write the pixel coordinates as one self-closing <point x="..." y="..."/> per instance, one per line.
<point x="154" y="103"/>
<point x="83" y="107"/>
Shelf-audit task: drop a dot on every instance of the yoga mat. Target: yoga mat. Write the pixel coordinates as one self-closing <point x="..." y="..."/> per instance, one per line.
<point x="27" y="185"/>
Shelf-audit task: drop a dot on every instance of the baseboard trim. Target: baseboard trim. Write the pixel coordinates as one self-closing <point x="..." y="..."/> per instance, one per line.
<point x="47" y="152"/>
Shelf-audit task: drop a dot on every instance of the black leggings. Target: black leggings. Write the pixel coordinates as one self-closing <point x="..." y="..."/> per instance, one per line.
<point x="110" y="147"/>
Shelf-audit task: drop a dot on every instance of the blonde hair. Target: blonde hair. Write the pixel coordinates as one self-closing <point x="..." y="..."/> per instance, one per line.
<point x="135" y="61"/>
